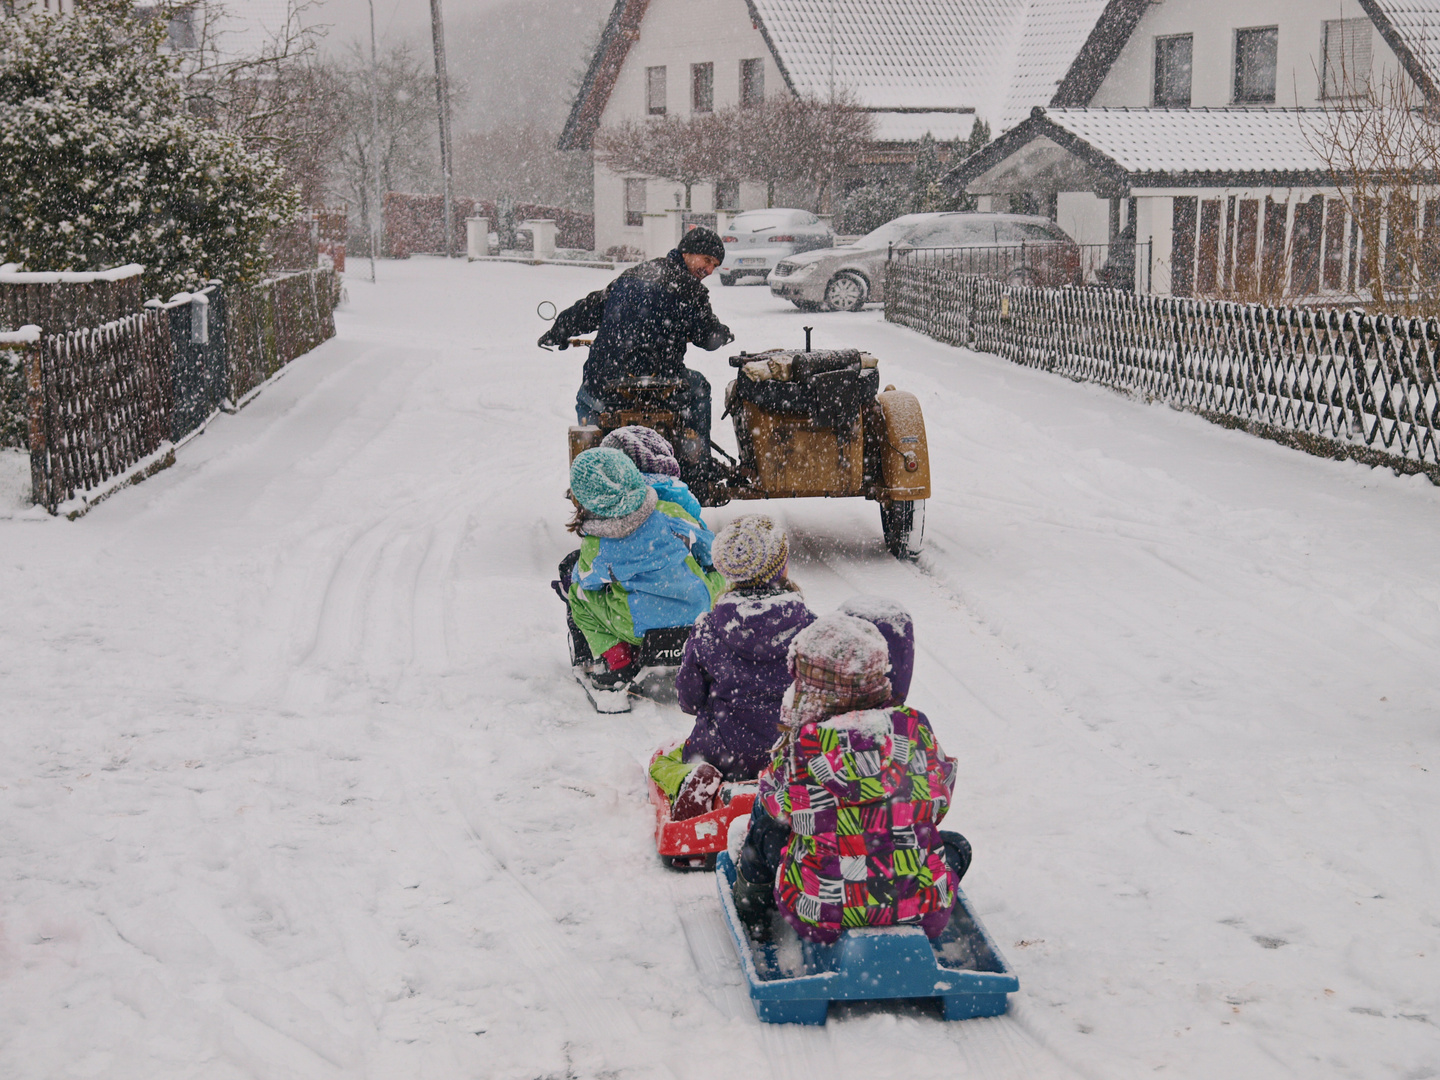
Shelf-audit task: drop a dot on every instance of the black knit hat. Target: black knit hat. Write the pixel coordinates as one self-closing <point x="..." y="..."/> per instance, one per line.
<point x="702" y="241"/>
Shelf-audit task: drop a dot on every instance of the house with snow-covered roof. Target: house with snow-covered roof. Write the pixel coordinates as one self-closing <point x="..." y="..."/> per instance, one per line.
<point x="916" y="65"/>
<point x="1199" y="128"/>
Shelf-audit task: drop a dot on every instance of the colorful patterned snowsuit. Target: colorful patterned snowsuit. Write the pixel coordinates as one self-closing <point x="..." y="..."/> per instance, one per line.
<point x="863" y="794"/>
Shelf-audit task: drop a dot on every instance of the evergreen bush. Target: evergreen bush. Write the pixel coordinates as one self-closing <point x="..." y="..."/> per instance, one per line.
<point x="103" y="165"/>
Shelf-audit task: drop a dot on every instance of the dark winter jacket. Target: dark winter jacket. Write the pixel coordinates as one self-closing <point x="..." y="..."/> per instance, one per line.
<point x="734" y="674"/>
<point x="645" y="318"/>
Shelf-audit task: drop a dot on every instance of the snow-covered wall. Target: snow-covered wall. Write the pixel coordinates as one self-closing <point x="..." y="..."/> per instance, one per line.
<point x="676" y="34"/>
<point x="1213" y="25"/>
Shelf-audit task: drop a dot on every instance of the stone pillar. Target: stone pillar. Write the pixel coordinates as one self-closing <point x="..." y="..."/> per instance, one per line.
<point x="662" y="232"/>
<point x="723" y="218"/>
<point x="1154" y="221"/>
<point x="542" y="237"/>
<point x="676" y="227"/>
<point x="477" y="237"/>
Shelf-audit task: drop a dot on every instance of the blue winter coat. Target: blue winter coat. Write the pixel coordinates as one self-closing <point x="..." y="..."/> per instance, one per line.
<point x="673" y="489"/>
<point x="646" y="579"/>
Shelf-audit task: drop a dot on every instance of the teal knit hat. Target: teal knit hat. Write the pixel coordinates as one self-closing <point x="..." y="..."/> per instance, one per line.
<point x="606" y="482"/>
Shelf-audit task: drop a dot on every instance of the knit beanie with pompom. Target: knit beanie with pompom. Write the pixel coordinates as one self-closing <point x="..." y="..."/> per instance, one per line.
<point x="838" y="664"/>
<point x="751" y="550"/>
<point x="606" y="482"/>
<point x="647" y="448"/>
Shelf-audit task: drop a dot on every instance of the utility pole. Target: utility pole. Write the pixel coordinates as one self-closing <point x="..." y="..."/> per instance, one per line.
<point x="442" y="100"/>
<point x="375" y="181"/>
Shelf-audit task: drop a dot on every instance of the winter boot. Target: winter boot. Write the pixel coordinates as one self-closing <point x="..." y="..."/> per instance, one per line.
<point x="755" y="904"/>
<point x="697" y="792"/>
<point x="616" y="668"/>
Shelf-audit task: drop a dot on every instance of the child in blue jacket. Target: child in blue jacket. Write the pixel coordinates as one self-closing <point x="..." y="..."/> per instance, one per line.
<point x="636" y="571"/>
<point x="655" y="458"/>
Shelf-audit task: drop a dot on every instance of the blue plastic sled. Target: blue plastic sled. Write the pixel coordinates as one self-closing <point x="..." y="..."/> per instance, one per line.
<point x="793" y="981"/>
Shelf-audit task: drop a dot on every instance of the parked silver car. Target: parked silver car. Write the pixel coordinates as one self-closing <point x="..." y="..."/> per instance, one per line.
<point x="758" y="239"/>
<point x="845" y="278"/>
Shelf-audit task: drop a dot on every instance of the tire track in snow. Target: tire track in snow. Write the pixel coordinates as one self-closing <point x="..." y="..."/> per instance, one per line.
<point x="577" y="990"/>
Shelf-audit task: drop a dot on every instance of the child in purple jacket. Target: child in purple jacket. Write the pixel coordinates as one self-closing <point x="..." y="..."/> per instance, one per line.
<point x="734" y="673"/>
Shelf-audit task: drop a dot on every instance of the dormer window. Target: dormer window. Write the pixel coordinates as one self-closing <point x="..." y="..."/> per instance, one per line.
<point x="1172" y="71"/>
<point x="1255" y="52"/>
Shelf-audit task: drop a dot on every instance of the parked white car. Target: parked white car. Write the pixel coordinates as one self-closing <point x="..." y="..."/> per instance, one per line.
<point x="758" y="239"/>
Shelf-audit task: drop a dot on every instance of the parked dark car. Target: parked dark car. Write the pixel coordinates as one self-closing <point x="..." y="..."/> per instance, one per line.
<point x="1013" y="247"/>
<point x="758" y="239"/>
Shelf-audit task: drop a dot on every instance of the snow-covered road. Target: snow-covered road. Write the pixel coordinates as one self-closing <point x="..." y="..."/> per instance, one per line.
<point x="295" y="782"/>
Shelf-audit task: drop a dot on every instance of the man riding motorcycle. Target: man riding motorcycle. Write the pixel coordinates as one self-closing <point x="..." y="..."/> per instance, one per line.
<point x="646" y="317"/>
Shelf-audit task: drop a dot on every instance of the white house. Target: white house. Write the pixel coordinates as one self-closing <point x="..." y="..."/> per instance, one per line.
<point x="1196" y="123"/>
<point x="917" y="65"/>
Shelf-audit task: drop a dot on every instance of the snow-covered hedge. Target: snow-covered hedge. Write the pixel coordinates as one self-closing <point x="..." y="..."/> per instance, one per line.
<point x="103" y="165"/>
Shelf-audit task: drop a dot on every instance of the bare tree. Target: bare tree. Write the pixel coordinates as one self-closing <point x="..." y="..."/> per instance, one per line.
<point x="519" y="161"/>
<point x="273" y="97"/>
<point x="782" y="141"/>
<point x="686" y="151"/>
<point x="1380" y="139"/>
<point x="406" y="158"/>
<point x="800" y="141"/>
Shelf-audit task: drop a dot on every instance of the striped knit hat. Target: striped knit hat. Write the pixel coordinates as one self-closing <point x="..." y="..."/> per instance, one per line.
<point x="606" y="483"/>
<point x="838" y="664"/>
<point x="651" y="451"/>
<point x="751" y="550"/>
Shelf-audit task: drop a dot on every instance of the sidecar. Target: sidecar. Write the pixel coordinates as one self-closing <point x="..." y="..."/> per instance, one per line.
<point x="807" y="423"/>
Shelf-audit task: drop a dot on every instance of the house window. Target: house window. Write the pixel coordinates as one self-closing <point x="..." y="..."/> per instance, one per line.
<point x="635" y="201"/>
<point x="1346" y="57"/>
<point x="180" y="34"/>
<point x="702" y="87"/>
<point x="1172" y="71"/>
<point x="655" y="91"/>
<point x="752" y="82"/>
<point x="727" y="195"/>
<point x="1255" y="65"/>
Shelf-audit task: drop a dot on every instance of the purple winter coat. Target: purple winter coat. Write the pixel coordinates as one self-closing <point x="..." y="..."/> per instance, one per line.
<point x="734" y="674"/>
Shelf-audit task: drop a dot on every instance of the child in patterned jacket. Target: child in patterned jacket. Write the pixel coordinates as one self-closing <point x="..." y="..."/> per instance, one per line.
<point x="862" y="786"/>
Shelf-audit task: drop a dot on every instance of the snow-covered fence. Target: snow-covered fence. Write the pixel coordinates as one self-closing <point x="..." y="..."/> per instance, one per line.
<point x="1333" y="383"/>
<point x="57" y="301"/>
<point x="268" y="325"/>
<point x="99" y="404"/>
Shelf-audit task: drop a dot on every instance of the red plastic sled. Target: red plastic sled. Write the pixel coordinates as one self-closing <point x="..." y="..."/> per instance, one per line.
<point x="693" y="843"/>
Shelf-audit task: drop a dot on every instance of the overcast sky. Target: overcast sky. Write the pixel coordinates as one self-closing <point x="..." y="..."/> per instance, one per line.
<point x="509" y="60"/>
<point x="398" y="19"/>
